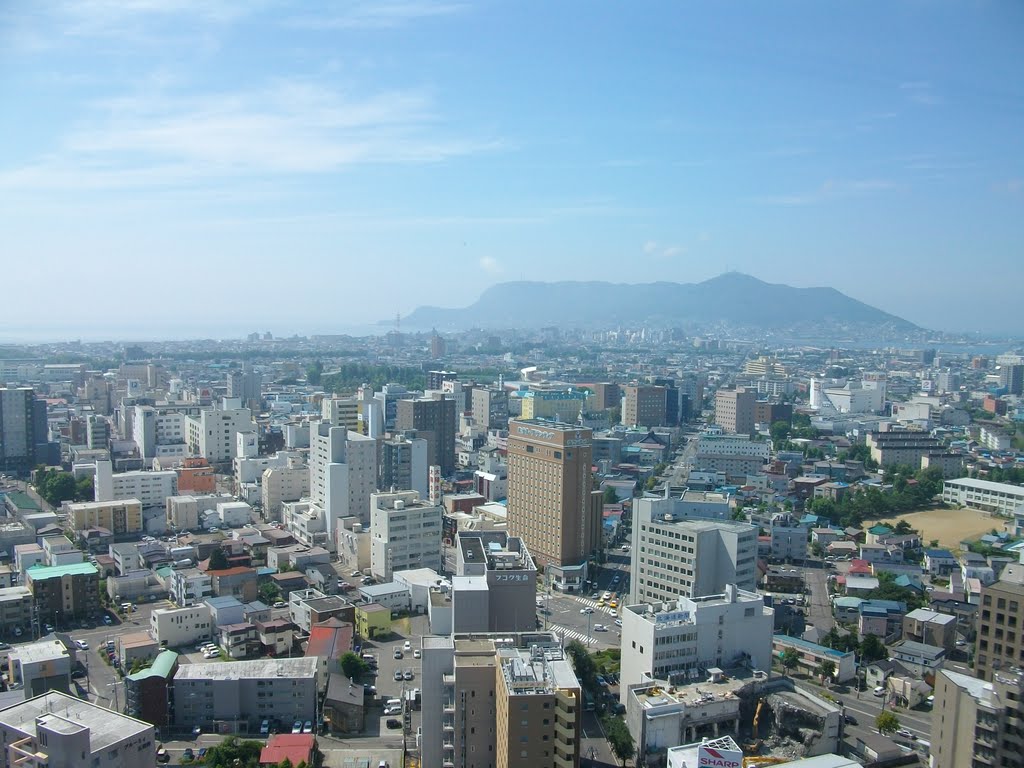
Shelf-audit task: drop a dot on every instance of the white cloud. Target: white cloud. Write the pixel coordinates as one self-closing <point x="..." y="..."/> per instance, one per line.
<point x="654" y="248"/>
<point x="830" y="189"/>
<point x="288" y="127"/>
<point x="490" y="265"/>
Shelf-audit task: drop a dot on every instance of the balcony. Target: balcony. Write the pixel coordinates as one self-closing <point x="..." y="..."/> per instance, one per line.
<point x="564" y="731"/>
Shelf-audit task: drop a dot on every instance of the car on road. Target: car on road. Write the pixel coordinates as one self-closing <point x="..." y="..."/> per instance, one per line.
<point x="82" y="645"/>
<point x="586" y="610"/>
<point x="879" y="691"/>
<point x="280" y="604"/>
<point x="48" y="628"/>
<point x="613" y="613"/>
<point x="850" y="719"/>
<point x="618" y="622"/>
<point x="616" y="579"/>
<point x="107" y="620"/>
<point x="162" y="755"/>
<point x="189" y="754"/>
<point x="297" y="726"/>
<point x="606" y="596"/>
<point x="356" y="574"/>
<point x="625" y="547"/>
<point x="600" y="628"/>
<point x="393" y="723"/>
<point x="905" y="734"/>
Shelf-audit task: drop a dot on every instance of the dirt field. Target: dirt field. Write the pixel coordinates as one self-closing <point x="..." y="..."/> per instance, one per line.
<point x="950" y="526"/>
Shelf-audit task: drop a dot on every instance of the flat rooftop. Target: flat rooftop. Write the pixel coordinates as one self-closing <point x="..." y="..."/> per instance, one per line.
<point x="105" y="726"/>
<point x="258" y="669"/>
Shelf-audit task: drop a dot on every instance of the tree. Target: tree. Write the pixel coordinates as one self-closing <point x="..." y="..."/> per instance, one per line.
<point x="779" y="431"/>
<point x="610" y="496"/>
<point x="872" y="649"/>
<point x="583" y="664"/>
<point x="55" y="486"/>
<point x="790" y="658"/>
<point x="269" y="592"/>
<point x="887" y="722"/>
<point x="234" y="753"/>
<point x="826" y="669"/>
<point x="314" y="373"/>
<point x="218" y="560"/>
<point x="84" y="490"/>
<point x="353" y="665"/>
<point x="619" y="739"/>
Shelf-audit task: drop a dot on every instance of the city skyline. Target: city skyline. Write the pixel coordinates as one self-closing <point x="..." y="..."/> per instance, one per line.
<point x="192" y="169"/>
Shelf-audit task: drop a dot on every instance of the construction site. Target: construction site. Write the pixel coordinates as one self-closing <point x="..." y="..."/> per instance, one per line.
<point x="769" y="718"/>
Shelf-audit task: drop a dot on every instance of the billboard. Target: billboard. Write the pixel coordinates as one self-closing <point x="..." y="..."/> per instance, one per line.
<point x="716" y="757"/>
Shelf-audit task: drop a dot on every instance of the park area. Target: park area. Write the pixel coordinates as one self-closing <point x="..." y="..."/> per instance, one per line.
<point x="951" y="526"/>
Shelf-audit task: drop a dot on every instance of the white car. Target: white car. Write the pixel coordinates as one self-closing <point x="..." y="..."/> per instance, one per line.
<point x="416" y="654"/>
<point x="82" y="645"/>
<point x="407" y="646"/>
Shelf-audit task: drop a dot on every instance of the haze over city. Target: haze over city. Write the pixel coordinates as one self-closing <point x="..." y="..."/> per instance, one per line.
<point x="209" y="168"/>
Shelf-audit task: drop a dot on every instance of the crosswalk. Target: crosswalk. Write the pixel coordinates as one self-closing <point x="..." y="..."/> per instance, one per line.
<point x="572" y="634"/>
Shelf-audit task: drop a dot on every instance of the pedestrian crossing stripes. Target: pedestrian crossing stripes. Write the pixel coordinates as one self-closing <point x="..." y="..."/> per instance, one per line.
<point x="572" y="634"/>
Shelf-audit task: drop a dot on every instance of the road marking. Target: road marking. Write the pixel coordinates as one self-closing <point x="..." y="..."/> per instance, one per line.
<point x="572" y="634"/>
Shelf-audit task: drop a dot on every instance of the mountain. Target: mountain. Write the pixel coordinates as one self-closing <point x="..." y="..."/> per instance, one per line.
<point x="732" y="299"/>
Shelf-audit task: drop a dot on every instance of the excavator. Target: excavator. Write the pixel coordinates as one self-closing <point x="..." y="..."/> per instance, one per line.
<point x="752" y="761"/>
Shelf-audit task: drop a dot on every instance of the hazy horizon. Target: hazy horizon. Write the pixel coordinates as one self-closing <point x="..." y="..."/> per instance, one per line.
<point x="170" y="166"/>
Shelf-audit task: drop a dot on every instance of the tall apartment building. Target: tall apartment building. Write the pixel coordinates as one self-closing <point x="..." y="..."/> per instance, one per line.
<point x="892" y="448"/>
<point x="150" y="489"/>
<point x="734" y="409"/>
<point x="246" y="386"/>
<point x="999" y="646"/>
<point x="22" y="429"/>
<point x="435" y="419"/>
<point x="552" y="504"/>
<point x="490" y="407"/>
<point x="405" y="533"/>
<point x="677" y="641"/>
<point x="495" y="584"/>
<point x="675" y="557"/>
<point x="15" y="611"/>
<point x="977" y="721"/>
<point x="97" y="433"/>
<point x="606" y="395"/>
<point x="500" y="701"/>
<point x="60" y="731"/>
<point x="211" y="434"/>
<point x="342" y="473"/>
<point x="436" y="379"/>
<point x="341" y="412"/>
<point x="281" y="484"/>
<point x="1012" y="378"/>
<point x="403" y="465"/>
<point x="64" y="593"/>
<point x="237" y="696"/>
<point x="644" y="405"/>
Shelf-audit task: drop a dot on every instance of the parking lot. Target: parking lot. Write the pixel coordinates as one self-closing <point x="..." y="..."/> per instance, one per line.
<point x="387" y="686"/>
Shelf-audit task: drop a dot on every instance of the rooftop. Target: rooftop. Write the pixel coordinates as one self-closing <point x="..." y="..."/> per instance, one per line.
<point x="106" y="727"/>
<point x="265" y="669"/>
<point x="41" y="650"/>
<point x="39" y="572"/>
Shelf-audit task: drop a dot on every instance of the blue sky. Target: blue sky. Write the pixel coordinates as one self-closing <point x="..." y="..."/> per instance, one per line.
<point x="172" y="168"/>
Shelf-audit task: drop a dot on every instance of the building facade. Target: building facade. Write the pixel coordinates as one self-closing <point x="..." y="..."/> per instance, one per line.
<point x="405" y="533"/>
<point x="734" y="410"/>
<point x="65" y="593"/>
<point x="552" y="504"/>
<point x="435" y="419"/>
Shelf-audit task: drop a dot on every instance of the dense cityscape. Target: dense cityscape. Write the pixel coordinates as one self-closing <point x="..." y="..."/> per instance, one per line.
<point x="635" y="545"/>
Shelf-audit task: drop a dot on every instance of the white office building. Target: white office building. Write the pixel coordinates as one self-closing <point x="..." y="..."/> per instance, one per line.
<point x="60" y="731"/>
<point x="342" y="473"/>
<point x="689" y="557"/>
<point x="281" y="484"/>
<point x="678" y="641"/>
<point x="151" y="488"/>
<point x="211" y="434"/>
<point x="179" y="627"/>
<point x="405" y="533"/>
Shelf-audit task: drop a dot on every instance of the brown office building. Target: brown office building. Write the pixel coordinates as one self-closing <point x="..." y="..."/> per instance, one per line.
<point x="999" y="645"/>
<point x="552" y="504"/>
<point x="606" y="395"/>
<point x="734" y="410"/>
<point x="644" y="405"/>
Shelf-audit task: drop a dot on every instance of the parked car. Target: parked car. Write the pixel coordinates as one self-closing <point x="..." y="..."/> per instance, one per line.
<point x="307" y="727"/>
<point x="201" y="754"/>
<point x="82" y="645"/>
<point x="416" y="654"/>
<point x="398" y="653"/>
<point x="188" y="754"/>
<point x="408" y="674"/>
<point x="879" y="691"/>
<point x="297" y="726"/>
<point x="618" y="622"/>
<point x="265" y="728"/>
<point x="162" y="755"/>
<point x="398" y="675"/>
<point x="407" y="646"/>
<point x="394" y="723"/>
<point x="280" y="604"/>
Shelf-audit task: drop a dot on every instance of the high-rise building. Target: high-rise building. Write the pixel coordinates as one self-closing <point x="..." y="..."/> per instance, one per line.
<point x="403" y="465"/>
<point x="212" y="433"/>
<point x="606" y="395"/>
<point x="341" y="412"/>
<point x="490" y="408"/>
<point x="22" y="428"/>
<point x="675" y="556"/>
<point x="644" y="405"/>
<point x="1012" y="377"/>
<point x="976" y="721"/>
<point x="342" y="473"/>
<point x="435" y="419"/>
<point x="438" y="347"/>
<point x="734" y="409"/>
<point x="436" y="379"/>
<point x="509" y="701"/>
<point x="246" y="385"/>
<point x="494" y="588"/>
<point x="999" y="645"/>
<point x="551" y="496"/>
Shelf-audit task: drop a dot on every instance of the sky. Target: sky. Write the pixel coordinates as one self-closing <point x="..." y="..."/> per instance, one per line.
<point x="182" y="168"/>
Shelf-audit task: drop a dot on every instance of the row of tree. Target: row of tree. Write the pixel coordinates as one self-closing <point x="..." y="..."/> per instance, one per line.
<point x="619" y="739"/>
<point x="57" y="486"/>
<point x="910" y="490"/>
